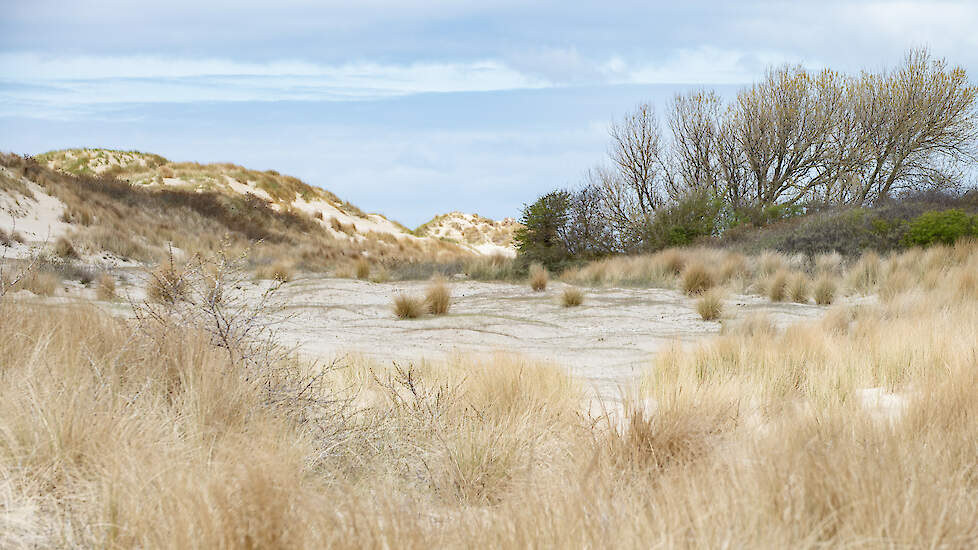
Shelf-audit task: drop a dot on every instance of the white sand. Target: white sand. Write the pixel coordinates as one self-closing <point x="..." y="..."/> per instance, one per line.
<point x="37" y="219"/>
<point x="608" y="341"/>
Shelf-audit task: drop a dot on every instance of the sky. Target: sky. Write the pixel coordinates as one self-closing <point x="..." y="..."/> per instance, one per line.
<point x="412" y="108"/>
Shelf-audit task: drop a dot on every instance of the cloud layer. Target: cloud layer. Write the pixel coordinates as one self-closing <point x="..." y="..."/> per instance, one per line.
<point x="415" y="107"/>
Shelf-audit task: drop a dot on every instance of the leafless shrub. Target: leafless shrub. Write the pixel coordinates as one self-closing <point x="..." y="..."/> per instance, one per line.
<point x="207" y="295"/>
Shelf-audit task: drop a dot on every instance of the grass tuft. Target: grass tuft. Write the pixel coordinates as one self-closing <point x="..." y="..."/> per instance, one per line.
<point x="167" y="283"/>
<point x="798" y="288"/>
<point x="362" y="268"/>
<point x="539" y="277"/>
<point x="572" y="297"/>
<point x="710" y="305"/>
<point x="281" y="271"/>
<point x="63" y="248"/>
<point x="105" y="289"/>
<point x="777" y="286"/>
<point x="825" y="289"/>
<point x="438" y="297"/>
<point x="408" y="307"/>
<point x="696" y="279"/>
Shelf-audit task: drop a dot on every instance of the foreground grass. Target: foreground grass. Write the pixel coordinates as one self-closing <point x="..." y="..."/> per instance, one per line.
<point x="114" y="437"/>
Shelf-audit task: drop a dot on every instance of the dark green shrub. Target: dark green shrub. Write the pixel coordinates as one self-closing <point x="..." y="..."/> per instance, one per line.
<point x="760" y="216"/>
<point x="684" y="222"/>
<point x="544" y="224"/>
<point x="941" y="227"/>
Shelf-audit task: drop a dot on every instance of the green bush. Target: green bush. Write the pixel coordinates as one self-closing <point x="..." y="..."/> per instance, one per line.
<point x="760" y="216"/>
<point x="941" y="227"/>
<point x="684" y="222"/>
<point x="544" y="221"/>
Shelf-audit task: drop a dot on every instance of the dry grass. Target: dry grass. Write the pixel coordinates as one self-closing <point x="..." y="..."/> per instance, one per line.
<point x="63" y="248"/>
<point x="825" y="290"/>
<point x="281" y="271"/>
<point x="673" y="259"/>
<point x="38" y="282"/>
<point x="799" y="288"/>
<point x="438" y="297"/>
<point x="734" y="267"/>
<point x="362" y="269"/>
<point x="855" y="431"/>
<point x="572" y="297"/>
<point x="777" y="286"/>
<point x="697" y="278"/>
<point x="539" y="277"/>
<point x="166" y="283"/>
<point x="408" y="307"/>
<point x="772" y="262"/>
<point x="105" y="288"/>
<point x="865" y="274"/>
<point x="140" y="222"/>
<point x="710" y="305"/>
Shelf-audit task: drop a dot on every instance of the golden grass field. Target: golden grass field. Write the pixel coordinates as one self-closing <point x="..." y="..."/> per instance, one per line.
<point x="856" y="429"/>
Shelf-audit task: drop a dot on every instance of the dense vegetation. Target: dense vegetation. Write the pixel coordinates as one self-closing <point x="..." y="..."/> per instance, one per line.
<point x="816" y="161"/>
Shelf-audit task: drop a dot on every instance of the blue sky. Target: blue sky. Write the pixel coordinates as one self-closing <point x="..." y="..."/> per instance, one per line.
<point x="414" y="108"/>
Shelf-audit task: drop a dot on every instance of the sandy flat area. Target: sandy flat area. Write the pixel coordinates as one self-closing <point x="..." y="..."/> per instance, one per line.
<point x="608" y="341"/>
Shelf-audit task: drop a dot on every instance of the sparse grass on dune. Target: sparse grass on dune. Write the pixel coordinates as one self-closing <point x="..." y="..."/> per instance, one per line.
<point x="856" y="430"/>
<point x="140" y="222"/>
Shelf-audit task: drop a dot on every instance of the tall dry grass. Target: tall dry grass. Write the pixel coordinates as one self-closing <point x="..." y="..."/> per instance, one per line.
<point x="438" y="297"/>
<point x="856" y="430"/>
<point x="408" y="307"/>
<point x="105" y="288"/>
<point x="571" y="297"/>
<point x="710" y="305"/>
<point x="539" y="277"/>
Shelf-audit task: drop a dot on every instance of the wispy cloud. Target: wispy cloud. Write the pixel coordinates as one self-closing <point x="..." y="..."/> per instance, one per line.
<point x="93" y="80"/>
<point x="38" y="82"/>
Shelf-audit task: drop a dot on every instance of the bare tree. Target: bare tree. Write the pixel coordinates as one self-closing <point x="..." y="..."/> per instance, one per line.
<point x="636" y="155"/>
<point x="916" y="122"/>
<point x="785" y="124"/>
<point x="694" y="121"/>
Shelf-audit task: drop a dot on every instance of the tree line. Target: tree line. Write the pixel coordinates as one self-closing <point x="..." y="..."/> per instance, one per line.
<point x="791" y="141"/>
